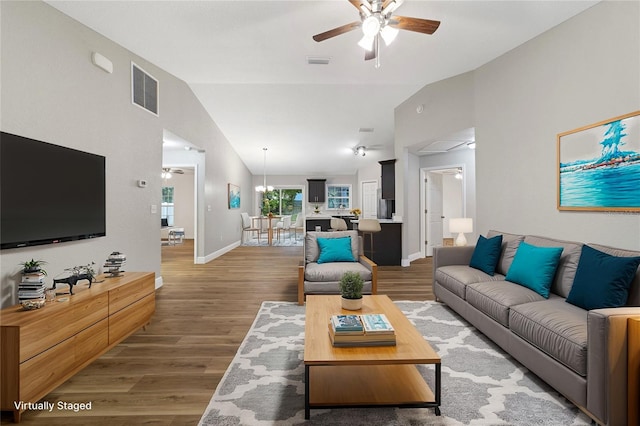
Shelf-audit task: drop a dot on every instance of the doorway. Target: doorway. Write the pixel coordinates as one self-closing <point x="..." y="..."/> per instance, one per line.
<point x="189" y="195"/>
<point x="442" y="198"/>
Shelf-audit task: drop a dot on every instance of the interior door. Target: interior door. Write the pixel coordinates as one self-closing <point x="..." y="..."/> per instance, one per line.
<point x="369" y="199"/>
<point x="433" y="212"/>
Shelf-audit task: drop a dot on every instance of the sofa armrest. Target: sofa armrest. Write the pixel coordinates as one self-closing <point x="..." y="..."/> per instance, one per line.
<point x="607" y="363"/>
<point x="301" y="266"/>
<point x="373" y="267"/>
<point x="444" y="256"/>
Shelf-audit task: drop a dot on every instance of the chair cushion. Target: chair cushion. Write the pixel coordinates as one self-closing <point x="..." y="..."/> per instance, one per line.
<point x="555" y="327"/>
<point x="312" y="251"/>
<point x="335" y="250"/>
<point x="495" y="298"/>
<point x="534" y="267"/>
<point x="486" y="254"/>
<point x="602" y="280"/>
<point x="455" y="278"/>
<point x="334" y="271"/>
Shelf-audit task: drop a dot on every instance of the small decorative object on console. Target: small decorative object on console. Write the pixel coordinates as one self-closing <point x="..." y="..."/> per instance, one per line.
<point x="113" y="264"/>
<point x="77" y="273"/>
<point x="356" y="212"/>
<point x="31" y="288"/>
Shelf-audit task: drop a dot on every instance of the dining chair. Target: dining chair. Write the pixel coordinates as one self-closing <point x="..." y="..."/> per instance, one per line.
<point x="338" y="224"/>
<point x="297" y="226"/>
<point x="247" y="226"/>
<point x="282" y="225"/>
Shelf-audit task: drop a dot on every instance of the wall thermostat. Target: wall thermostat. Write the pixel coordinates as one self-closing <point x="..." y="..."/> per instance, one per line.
<point x="142" y="183"/>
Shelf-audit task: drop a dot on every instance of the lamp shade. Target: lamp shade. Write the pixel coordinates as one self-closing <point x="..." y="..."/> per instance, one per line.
<point x="461" y="224"/>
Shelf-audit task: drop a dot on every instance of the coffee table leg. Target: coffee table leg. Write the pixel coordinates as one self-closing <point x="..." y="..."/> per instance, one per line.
<point x="438" y="383"/>
<point x="307" y="411"/>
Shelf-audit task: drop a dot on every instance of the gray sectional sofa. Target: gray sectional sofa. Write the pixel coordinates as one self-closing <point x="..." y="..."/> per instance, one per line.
<point x="581" y="353"/>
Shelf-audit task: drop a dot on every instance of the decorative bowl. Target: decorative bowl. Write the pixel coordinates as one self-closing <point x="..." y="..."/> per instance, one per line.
<point x="31" y="304"/>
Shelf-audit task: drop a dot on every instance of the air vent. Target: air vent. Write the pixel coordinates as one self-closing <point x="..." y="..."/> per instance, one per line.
<point x="144" y="89"/>
<point x="365" y="130"/>
<point x="318" y="60"/>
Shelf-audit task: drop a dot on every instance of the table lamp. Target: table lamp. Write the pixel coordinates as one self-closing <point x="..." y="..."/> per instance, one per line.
<point x="460" y="225"/>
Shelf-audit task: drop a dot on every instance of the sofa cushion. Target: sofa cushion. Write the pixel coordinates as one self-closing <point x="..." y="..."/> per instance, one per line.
<point x="335" y="250"/>
<point x="534" y="267"/>
<point x="334" y="271"/>
<point x="556" y="328"/>
<point x="495" y="298"/>
<point x="311" y="250"/>
<point x="602" y="280"/>
<point x="634" y="290"/>
<point x="486" y="254"/>
<point x="567" y="264"/>
<point x="510" y="244"/>
<point x="455" y="278"/>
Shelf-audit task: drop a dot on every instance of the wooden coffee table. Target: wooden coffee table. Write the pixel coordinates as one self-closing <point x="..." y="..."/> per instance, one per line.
<point x="366" y="376"/>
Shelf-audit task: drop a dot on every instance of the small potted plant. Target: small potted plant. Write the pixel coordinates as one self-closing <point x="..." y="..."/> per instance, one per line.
<point x="32" y="266"/>
<point x="356" y="212"/>
<point x="351" y="285"/>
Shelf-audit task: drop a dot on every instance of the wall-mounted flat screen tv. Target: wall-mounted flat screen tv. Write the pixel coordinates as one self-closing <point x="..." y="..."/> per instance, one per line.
<point x="49" y="193"/>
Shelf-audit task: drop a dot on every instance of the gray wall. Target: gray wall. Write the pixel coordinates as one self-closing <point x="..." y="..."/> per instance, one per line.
<point x="51" y="91"/>
<point x="580" y="72"/>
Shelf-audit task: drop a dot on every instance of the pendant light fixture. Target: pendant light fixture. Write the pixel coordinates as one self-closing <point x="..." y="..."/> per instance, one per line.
<point x="264" y="187"/>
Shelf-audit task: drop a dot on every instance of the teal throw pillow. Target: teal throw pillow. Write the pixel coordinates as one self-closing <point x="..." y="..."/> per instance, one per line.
<point x="487" y="254"/>
<point x="335" y="250"/>
<point x="602" y="280"/>
<point x="534" y="267"/>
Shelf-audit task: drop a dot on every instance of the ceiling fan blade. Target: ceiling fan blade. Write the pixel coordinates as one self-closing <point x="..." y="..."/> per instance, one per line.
<point x="425" y="26"/>
<point x="337" y="31"/>
<point x="369" y="54"/>
<point x="356" y="3"/>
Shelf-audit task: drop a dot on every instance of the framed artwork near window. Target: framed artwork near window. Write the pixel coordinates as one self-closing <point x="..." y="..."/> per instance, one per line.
<point x="234" y="196"/>
<point x="599" y="166"/>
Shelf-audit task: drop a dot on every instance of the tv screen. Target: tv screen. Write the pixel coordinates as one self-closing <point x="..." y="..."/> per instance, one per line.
<point x="49" y="193"/>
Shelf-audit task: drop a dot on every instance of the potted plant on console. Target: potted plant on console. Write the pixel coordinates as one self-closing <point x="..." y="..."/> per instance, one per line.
<point x="351" y="285"/>
<point x="33" y="266"/>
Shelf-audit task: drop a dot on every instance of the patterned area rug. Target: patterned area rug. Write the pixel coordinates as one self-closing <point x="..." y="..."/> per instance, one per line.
<point x="481" y="385"/>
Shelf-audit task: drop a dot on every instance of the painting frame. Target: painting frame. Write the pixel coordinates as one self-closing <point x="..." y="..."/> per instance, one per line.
<point x="598" y="166"/>
<point x="233" y="194"/>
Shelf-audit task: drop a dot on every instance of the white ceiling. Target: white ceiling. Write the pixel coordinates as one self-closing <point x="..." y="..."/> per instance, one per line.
<point x="247" y="63"/>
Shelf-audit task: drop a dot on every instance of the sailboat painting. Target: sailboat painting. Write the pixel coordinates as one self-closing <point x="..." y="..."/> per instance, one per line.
<point x="599" y="166"/>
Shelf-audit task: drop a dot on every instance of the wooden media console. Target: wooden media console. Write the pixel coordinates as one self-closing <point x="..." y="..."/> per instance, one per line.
<point x="41" y="349"/>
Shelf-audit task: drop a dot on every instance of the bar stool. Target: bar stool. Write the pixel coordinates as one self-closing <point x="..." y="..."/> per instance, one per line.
<point x="368" y="227"/>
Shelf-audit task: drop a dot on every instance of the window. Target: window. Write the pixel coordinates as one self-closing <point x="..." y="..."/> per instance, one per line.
<point x="167" y="207"/>
<point x="338" y="197"/>
<point x="283" y="201"/>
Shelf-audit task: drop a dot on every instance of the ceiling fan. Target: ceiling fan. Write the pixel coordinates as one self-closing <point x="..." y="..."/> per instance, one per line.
<point x="377" y="20"/>
<point x="167" y="172"/>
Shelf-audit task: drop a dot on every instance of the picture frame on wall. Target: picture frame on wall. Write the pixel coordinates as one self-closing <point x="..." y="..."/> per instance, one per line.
<point x="599" y="166"/>
<point x="234" y="196"/>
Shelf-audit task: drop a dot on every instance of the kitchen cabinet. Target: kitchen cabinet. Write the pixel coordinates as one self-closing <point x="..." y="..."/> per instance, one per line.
<point x="388" y="179"/>
<point x="316" y="190"/>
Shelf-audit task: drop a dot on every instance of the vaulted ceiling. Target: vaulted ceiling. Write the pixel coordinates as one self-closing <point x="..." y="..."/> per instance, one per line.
<point x="247" y="62"/>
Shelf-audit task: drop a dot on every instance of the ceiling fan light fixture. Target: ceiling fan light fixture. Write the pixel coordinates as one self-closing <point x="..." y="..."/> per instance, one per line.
<point x="366" y="43"/>
<point x="371" y="26"/>
<point x="389" y="34"/>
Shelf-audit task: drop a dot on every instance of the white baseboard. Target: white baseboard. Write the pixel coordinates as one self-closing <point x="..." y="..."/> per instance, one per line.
<point x="159" y="282"/>
<point x="412" y="257"/>
<point x="208" y="258"/>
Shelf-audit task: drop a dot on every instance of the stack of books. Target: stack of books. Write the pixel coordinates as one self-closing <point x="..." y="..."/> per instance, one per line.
<point x="31" y="287"/>
<point x="361" y="330"/>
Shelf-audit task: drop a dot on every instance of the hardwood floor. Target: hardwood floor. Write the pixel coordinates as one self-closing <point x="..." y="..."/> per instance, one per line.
<point x="167" y="373"/>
